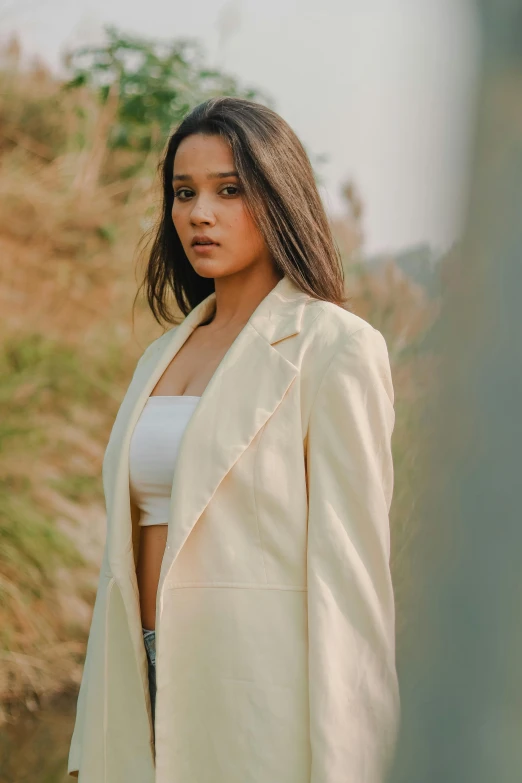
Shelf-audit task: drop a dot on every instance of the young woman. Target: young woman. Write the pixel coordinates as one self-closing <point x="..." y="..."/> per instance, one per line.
<point x="243" y="629"/>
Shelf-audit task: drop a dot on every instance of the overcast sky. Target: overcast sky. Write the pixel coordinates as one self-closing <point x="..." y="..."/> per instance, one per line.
<point x="384" y="88"/>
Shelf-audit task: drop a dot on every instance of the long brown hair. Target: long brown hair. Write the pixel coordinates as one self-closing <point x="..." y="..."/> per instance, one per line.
<point x="280" y="192"/>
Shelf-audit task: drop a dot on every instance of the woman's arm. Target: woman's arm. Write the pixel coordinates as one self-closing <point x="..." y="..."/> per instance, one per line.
<point x="354" y="701"/>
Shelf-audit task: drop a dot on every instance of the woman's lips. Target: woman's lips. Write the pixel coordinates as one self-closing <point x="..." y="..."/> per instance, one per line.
<point x="205" y="249"/>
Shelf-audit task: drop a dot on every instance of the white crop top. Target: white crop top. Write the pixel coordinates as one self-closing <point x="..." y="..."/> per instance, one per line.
<point x="153" y="452"/>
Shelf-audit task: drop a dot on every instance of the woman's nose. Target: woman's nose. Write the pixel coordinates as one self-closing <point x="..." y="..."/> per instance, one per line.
<point x="202" y="213"/>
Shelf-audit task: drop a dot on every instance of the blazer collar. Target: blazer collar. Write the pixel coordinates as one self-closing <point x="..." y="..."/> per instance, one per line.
<point x="277" y="316"/>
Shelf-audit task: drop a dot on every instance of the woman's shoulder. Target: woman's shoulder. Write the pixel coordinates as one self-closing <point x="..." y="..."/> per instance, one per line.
<point x="340" y="344"/>
<point x="329" y="326"/>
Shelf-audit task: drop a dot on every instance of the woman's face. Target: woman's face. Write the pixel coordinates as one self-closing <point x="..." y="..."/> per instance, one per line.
<point x="209" y="206"/>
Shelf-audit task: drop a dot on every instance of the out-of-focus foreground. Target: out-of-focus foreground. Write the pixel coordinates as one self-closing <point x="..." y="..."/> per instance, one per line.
<point x="461" y="688"/>
<point x="76" y="200"/>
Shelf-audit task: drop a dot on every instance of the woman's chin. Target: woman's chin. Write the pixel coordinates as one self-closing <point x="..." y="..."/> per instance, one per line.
<point x="205" y="267"/>
<point x="208" y="267"/>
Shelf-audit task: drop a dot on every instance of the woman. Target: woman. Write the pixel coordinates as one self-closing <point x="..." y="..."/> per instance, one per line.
<point x="243" y="628"/>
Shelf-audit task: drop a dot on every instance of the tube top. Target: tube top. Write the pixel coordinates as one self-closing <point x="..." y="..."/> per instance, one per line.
<point x="153" y="452"/>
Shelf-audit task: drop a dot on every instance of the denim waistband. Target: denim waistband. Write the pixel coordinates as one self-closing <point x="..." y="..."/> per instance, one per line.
<point x="149" y="639"/>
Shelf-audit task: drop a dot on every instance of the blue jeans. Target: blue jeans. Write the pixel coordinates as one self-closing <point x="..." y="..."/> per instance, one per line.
<point x="149" y="639"/>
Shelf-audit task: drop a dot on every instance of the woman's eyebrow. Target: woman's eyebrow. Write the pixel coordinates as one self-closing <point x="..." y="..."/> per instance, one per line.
<point x="212" y="175"/>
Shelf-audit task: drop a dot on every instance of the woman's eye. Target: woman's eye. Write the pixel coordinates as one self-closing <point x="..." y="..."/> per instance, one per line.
<point x="181" y="193"/>
<point x="233" y="188"/>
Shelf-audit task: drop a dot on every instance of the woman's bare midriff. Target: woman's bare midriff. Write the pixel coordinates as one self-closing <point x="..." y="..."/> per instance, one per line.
<point x="153" y="539"/>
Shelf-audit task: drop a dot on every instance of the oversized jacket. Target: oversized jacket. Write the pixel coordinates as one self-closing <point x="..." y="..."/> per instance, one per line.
<point x="275" y="611"/>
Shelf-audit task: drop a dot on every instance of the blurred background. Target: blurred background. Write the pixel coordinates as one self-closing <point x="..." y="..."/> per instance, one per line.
<point x="410" y="111"/>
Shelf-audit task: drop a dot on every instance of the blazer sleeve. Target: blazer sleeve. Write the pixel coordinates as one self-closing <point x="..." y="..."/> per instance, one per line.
<point x="353" y="689"/>
<point x="75" y="753"/>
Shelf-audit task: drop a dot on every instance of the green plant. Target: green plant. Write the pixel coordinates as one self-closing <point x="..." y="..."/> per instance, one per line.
<point x="155" y="84"/>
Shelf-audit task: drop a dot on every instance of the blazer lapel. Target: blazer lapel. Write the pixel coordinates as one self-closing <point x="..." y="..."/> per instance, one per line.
<point x="246" y="388"/>
<point x="243" y="393"/>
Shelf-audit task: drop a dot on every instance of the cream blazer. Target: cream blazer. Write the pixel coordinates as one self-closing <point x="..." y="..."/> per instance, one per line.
<point x="275" y="611"/>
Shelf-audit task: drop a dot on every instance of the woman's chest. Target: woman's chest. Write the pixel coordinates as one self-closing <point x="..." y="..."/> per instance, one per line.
<point x="191" y="369"/>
